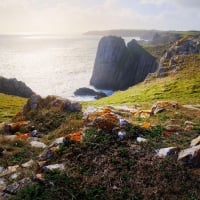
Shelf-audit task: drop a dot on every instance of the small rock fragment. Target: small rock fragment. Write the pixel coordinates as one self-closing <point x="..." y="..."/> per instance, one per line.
<point x="2" y="184"/>
<point x="13" y="188"/>
<point x="121" y="134"/>
<point x="54" y="166"/>
<point x="191" y="156"/>
<point x="162" y="153"/>
<point x="140" y="139"/>
<point x="28" y="164"/>
<point x="38" y="144"/>
<point x="58" y="141"/>
<point x="195" y="141"/>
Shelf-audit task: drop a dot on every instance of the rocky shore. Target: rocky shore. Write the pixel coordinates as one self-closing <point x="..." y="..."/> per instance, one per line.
<point x="14" y="87"/>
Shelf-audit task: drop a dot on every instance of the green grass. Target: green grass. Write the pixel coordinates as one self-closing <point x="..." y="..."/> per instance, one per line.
<point x="9" y="106"/>
<point x="183" y="86"/>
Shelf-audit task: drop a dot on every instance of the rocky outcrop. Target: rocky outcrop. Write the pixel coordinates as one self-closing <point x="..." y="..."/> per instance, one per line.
<point x="165" y="37"/>
<point x="118" y="66"/>
<point x="174" y="57"/>
<point x="14" y="87"/>
<point x="51" y="103"/>
<point x="89" y="92"/>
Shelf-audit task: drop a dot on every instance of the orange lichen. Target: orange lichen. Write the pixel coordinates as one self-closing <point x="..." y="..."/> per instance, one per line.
<point x="77" y="137"/>
<point x="22" y="136"/>
<point x="146" y="125"/>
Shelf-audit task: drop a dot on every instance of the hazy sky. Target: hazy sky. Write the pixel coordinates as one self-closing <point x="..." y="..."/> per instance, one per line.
<point x="69" y="16"/>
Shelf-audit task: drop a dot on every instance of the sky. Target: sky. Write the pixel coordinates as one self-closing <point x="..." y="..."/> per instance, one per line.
<point x="78" y="16"/>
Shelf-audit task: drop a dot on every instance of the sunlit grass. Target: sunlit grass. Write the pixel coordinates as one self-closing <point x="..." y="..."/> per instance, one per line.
<point x="9" y="106"/>
<point x="183" y="86"/>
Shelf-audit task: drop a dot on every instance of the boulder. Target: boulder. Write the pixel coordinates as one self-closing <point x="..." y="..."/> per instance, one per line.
<point x="195" y="142"/>
<point x="60" y="167"/>
<point x="52" y="103"/>
<point x="16" y="186"/>
<point x="191" y="156"/>
<point x="162" y="153"/>
<point x="37" y="144"/>
<point x="89" y="92"/>
<point x="118" y="66"/>
<point x="14" y="87"/>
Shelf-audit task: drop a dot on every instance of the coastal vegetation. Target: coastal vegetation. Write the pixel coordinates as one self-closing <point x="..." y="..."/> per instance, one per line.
<point x="139" y="144"/>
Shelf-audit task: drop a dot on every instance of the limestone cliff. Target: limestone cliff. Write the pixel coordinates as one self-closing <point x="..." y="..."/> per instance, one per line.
<point x="118" y="66"/>
<point x="14" y="87"/>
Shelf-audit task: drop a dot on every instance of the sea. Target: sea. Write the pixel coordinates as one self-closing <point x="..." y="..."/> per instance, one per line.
<point x="50" y="65"/>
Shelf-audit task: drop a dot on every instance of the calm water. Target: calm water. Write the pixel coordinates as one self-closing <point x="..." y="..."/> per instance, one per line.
<point x="49" y="65"/>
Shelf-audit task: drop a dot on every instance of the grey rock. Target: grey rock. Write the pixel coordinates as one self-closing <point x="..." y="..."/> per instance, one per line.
<point x="37" y="144"/>
<point x="13" y="188"/>
<point x="9" y="170"/>
<point x="28" y="164"/>
<point x="14" y="87"/>
<point x="57" y="142"/>
<point x="1" y="169"/>
<point x="118" y="66"/>
<point x="54" y="166"/>
<point x="2" y="184"/>
<point x="162" y="153"/>
<point x="190" y="156"/>
<point x="89" y="92"/>
<point x="54" y="103"/>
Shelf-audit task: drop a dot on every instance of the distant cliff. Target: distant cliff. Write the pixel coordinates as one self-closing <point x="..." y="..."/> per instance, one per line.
<point x="14" y="87"/>
<point x="118" y="66"/>
<point x="142" y="34"/>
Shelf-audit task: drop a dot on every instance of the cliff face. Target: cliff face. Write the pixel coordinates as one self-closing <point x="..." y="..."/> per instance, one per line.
<point x="118" y="66"/>
<point x="14" y="87"/>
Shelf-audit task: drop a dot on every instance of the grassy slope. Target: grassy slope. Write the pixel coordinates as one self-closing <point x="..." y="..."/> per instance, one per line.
<point x="9" y="106"/>
<point x="183" y="86"/>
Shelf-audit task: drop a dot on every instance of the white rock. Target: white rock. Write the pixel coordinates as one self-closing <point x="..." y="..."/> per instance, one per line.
<point x="162" y="153"/>
<point x="195" y="141"/>
<point x="123" y="122"/>
<point x="55" y="166"/>
<point x="121" y="134"/>
<point x="28" y="164"/>
<point x="140" y="139"/>
<point x="58" y="141"/>
<point x="188" y="152"/>
<point x="9" y="170"/>
<point x="189" y="123"/>
<point x="38" y="144"/>
<point x="1" y="169"/>
<point x="2" y="184"/>
<point x="14" y="176"/>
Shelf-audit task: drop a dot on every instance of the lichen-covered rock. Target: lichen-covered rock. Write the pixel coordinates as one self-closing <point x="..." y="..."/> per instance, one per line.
<point x="118" y="66"/>
<point x="14" y="87"/>
<point x="14" y="127"/>
<point x="52" y="103"/>
<point x="173" y="58"/>
<point x="164" y="105"/>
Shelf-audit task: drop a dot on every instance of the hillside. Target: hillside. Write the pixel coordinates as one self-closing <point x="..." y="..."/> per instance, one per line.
<point x="138" y="144"/>
<point x="183" y="86"/>
<point x="9" y="106"/>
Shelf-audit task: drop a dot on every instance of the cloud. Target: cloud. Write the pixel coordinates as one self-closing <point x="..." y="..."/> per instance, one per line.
<point x="63" y="16"/>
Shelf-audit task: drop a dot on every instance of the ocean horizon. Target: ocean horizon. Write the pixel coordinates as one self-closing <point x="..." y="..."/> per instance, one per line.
<point x="49" y="64"/>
